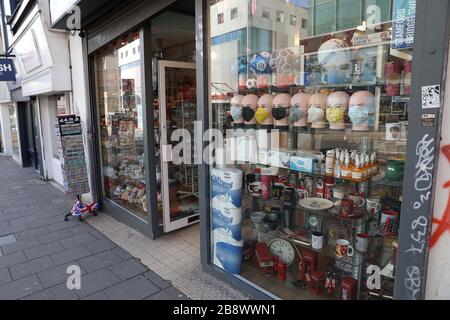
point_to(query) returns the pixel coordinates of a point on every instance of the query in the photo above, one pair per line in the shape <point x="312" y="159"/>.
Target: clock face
<point x="313" y="221"/>
<point x="283" y="249"/>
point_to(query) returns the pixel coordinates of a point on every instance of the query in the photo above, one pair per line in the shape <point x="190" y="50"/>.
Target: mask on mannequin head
<point x="358" y="114"/>
<point x="248" y="113"/>
<point x="335" y="114"/>
<point x="236" y="112"/>
<point x="279" y="113"/>
<point x="315" y="114"/>
<point x="261" y="115"/>
<point x="296" y="114"/>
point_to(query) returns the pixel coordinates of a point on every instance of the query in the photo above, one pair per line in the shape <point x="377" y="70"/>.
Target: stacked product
<point x="226" y="185"/>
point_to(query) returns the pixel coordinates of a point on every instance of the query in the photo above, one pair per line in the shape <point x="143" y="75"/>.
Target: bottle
<point x="358" y="172"/>
<point x="338" y="165"/>
<point x="367" y="167"/>
<point x="375" y="164"/>
<point x="329" y="163"/>
<point x="346" y="169"/>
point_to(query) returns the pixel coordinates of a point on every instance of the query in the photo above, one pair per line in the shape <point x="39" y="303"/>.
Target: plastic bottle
<point x="329" y="163"/>
<point x="346" y="169"/>
<point x="358" y="172"/>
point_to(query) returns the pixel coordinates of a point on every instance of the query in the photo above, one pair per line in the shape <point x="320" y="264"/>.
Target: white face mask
<point x="315" y="114"/>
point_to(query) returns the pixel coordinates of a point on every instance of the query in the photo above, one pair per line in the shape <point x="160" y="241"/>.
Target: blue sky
<point x="299" y="3"/>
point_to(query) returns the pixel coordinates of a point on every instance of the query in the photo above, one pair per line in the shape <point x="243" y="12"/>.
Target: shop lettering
<point x="424" y="167"/>
<point x="374" y="277"/>
<point x="220" y="218"/>
<point x="184" y="310"/>
<point x="221" y="183"/>
<point x="373" y="16"/>
<point x="6" y="68"/>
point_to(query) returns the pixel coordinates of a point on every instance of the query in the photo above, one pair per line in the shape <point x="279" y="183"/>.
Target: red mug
<point x="346" y="209"/>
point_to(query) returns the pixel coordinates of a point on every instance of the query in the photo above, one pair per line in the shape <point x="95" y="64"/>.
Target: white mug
<point x="357" y="200"/>
<point x="317" y="240"/>
<point x="362" y="242"/>
<point x="373" y="206"/>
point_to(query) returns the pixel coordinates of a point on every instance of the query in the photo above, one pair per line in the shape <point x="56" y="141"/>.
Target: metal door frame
<point x="168" y="224"/>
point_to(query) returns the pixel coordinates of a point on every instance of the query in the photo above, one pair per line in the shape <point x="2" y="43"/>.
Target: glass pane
<point x="307" y="186"/>
<point x="14" y="132"/>
<point x="122" y="133"/>
<point x="181" y="114"/>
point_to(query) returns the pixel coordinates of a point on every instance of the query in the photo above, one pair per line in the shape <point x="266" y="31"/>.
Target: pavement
<point x="116" y="262"/>
<point x="37" y="246"/>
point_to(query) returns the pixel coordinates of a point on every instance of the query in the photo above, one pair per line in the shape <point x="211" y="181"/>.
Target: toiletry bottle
<point x="329" y="163"/>
<point x="346" y="169"/>
<point x="358" y="172"/>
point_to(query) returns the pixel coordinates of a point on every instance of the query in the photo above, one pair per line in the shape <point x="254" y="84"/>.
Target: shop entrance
<point x="177" y="116"/>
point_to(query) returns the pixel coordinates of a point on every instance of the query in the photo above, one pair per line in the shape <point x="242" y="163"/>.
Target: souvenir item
<point x="299" y="110"/>
<point x="316" y="204"/>
<point x="357" y="199"/>
<point x="264" y="114"/>
<point x="390" y="221"/>
<point x="283" y="249"/>
<point x="373" y="206"/>
<point x="317" y="283"/>
<point x="236" y="110"/>
<point x="346" y="208"/>
<point x="362" y="110"/>
<point x="257" y="217"/>
<point x="349" y="288"/>
<point x="334" y="54"/>
<point x="266" y="184"/>
<point x="280" y="110"/>
<point x="330" y="282"/>
<point x="285" y="64"/>
<point x="250" y="105"/>
<point x="337" y="106"/>
<point x="316" y="112"/>
<point x="344" y="249"/>
<point x="317" y="240"/>
<point x="260" y="65"/>
<point x="362" y="242"/>
<point x="281" y="271"/>
<point x="393" y="77"/>
<point x="302" y="193"/>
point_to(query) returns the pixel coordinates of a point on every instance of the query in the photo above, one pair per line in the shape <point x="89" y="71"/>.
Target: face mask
<point x="296" y="114"/>
<point x="261" y="115"/>
<point x="315" y="114"/>
<point x="236" y="113"/>
<point x="248" y="113"/>
<point x="335" y="114"/>
<point x="358" y="115"/>
<point x="279" y="113"/>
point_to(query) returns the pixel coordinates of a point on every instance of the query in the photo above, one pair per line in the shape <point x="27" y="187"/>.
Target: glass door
<point x="177" y="116"/>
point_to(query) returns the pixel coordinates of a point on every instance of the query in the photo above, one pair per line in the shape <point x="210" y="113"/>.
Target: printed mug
<point x="317" y="240"/>
<point x="357" y="200"/>
<point x="362" y="242"/>
<point x="373" y="206"/>
<point x="344" y="249"/>
<point x="302" y="193"/>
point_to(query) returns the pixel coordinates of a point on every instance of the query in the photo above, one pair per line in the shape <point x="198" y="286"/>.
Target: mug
<point x="390" y="221"/>
<point x="302" y="193"/>
<point x="357" y="199"/>
<point x="373" y="206"/>
<point x="346" y="208"/>
<point x="344" y="249"/>
<point x="255" y="189"/>
<point x="362" y="242"/>
<point x="317" y="240"/>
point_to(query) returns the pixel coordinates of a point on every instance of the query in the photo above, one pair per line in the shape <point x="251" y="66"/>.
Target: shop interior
<point x="306" y="212"/>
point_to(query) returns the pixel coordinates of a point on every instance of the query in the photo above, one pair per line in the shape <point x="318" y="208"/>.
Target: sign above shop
<point x="403" y="26"/>
<point x="7" y="72"/>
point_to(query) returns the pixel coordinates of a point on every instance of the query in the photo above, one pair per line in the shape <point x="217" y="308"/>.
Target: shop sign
<point x="373" y="38"/>
<point x="7" y="72"/>
<point x="404" y="21"/>
<point x="28" y="52"/>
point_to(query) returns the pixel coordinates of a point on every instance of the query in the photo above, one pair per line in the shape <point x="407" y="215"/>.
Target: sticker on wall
<point x="428" y="120"/>
<point x="431" y="97"/>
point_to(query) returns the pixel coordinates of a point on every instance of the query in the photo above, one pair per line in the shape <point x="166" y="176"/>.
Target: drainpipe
<point x="5" y="35"/>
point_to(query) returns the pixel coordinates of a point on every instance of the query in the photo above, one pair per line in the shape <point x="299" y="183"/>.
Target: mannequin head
<point x="280" y="109"/>
<point x="249" y="105"/>
<point x="316" y="113"/>
<point x="236" y="109"/>
<point x="337" y="106"/>
<point x="362" y="110"/>
<point x="299" y="109"/>
<point x="264" y="113"/>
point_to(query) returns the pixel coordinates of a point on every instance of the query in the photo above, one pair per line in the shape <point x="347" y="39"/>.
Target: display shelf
<point x="386" y="182"/>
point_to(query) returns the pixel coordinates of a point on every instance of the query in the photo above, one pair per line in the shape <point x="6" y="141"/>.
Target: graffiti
<point x="424" y="167"/>
<point x="413" y="281"/>
<point x="419" y="227"/>
<point x="443" y="225"/>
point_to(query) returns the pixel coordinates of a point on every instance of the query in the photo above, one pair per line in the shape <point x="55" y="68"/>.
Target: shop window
<point x="293" y="20"/>
<point x="309" y="189"/>
<point x="220" y="18"/>
<point x="121" y="109"/>
<point x="234" y="13"/>
<point x="280" y="16"/>
<point x="14" y="131"/>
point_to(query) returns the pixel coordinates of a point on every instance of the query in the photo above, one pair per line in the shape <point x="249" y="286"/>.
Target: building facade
<point x="330" y="181"/>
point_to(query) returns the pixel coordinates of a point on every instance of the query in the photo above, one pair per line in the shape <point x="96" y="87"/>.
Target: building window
<point x="220" y="18"/>
<point x="304" y="24"/>
<point x="280" y="16"/>
<point x="266" y="13"/>
<point x="234" y="13"/>
<point x="293" y="20"/>
<point x="14" y="131"/>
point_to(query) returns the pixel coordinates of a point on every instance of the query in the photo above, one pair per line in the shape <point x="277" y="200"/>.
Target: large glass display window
<point x="315" y="126"/>
<point x="120" y="107"/>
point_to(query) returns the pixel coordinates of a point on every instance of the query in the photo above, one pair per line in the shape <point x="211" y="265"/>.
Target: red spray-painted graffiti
<point x="443" y="225"/>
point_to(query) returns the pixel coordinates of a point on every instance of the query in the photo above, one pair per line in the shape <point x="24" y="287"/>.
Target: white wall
<point x="438" y="284"/>
<point x="6" y="129"/>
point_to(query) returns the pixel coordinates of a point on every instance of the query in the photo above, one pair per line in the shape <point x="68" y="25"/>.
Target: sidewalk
<point x="37" y="246"/>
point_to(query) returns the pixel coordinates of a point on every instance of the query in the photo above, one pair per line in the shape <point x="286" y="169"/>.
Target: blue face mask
<point x="296" y="114"/>
<point x="358" y="115"/>
<point x="236" y="113"/>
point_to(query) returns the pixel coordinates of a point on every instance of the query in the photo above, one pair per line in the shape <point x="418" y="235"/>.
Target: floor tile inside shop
<point x="175" y="257"/>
